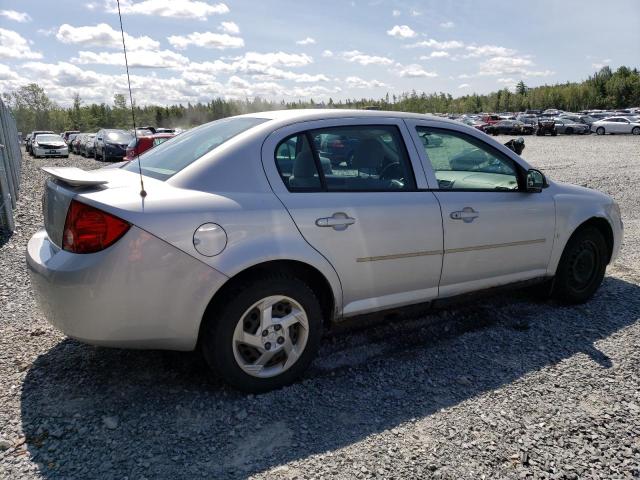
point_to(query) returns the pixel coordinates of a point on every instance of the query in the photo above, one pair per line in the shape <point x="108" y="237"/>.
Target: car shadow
<point x="90" y="412"/>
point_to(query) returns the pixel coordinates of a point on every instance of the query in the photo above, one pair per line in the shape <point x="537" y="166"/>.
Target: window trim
<point x="520" y="171"/>
<point x="316" y="156"/>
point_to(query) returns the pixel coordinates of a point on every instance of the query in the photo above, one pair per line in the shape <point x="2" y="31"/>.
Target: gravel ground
<point x="508" y="387"/>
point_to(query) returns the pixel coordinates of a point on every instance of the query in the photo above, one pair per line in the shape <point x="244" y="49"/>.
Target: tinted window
<point x="172" y="156"/>
<point x="158" y="141"/>
<point x="462" y="162"/>
<point x="359" y="158"/>
<point x="297" y="165"/>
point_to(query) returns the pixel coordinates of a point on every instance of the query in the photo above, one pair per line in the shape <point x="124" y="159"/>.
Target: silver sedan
<point x="251" y="234"/>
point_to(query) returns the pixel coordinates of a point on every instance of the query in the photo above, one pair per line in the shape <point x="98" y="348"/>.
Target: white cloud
<point x="464" y="85"/>
<point x="446" y="45"/>
<point x="447" y="25"/>
<point x="136" y="58"/>
<point x="414" y="71"/>
<point x="102" y="35"/>
<point x="14" y="45"/>
<point x="20" y="17"/>
<point x="357" y="82"/>
<point x="194" y="9"/>
<point x="401" y="31"/>
<point x="396" y="13"/>
<point x="278" y="59"/>
<point x="511" y="66"/>
<point x="229" y="27"/>
<point x="506" y="80"/>
<point x="435" y="54"/>
<point x="488" y="51"/>
<point x="415" y="13"/>
<point x="356" y="56"/>
<point x="306" y="41"/>
<point x="220" y="41"/>
<point x="7" y="73"/>
<point x="327" y="53"/>
<point x="261" y="66"/>
<point x="501" y="65"/>
<point x="603" y="63"/>
<point x="63" y="73"/>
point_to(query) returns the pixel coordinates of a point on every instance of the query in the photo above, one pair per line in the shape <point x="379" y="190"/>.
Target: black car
<point x="111" y="144"/>
<point x="509" y="127"/>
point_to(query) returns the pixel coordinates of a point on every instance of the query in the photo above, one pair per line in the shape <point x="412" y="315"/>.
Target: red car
<point x="142" y="144"/>
<point x="490" y="119"/>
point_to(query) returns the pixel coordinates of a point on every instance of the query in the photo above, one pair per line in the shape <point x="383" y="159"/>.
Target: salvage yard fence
<point x="10" y="166"/>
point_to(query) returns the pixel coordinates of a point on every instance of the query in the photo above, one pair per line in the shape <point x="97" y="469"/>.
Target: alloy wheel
<point x="270" y="336"/>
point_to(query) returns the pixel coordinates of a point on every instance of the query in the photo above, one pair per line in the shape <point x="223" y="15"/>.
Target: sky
<point x="194" y="50"/>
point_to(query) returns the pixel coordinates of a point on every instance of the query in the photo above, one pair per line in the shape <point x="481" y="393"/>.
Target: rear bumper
<point x="139" y="293"/>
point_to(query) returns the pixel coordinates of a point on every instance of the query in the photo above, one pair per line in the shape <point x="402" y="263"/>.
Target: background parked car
<point x="546" y="126"/>
<point x="616" y="125"/>
<point x="509" y="127"/>
<point x="86" y="145"/>
<point x="142" y="144"/>
<point x="568" y="126"/>
<point x="74" y="144"/>
<point x="67" y="134"/>
<point x="31" y="136"/>
<point x="111" y="144"/>
<point x="49" y="145"/>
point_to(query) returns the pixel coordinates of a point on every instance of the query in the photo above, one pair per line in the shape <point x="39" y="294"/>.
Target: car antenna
<point x="143" y="192"/>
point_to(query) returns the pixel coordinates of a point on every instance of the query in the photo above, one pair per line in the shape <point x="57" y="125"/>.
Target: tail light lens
<point x="89" y="230"/>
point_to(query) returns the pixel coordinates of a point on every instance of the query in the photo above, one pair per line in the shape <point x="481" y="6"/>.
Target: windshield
<point x="48" y="138"/>
<point x="119" y="137"/>
<point x="177" y="153"/>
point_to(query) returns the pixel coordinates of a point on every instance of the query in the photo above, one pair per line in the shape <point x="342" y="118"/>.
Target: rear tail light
<point x="89" y="230"/>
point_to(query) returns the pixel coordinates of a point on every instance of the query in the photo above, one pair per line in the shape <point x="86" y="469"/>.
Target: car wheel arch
<point x="315" y="279"/>
<point x="601" y="224"/>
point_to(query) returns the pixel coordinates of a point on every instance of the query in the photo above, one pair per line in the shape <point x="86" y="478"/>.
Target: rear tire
<point x="568" y="131"/>
<point x="600" y="130"/>
<point x="582" y="266"/>
<point x="242" y="314"/>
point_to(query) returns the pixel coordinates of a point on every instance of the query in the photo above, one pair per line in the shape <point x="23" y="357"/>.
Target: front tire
<point x="264" y="334"/>
<point x="582" y="266"/>
<point x="635" y="130"/>
<point x="600" y="130"/>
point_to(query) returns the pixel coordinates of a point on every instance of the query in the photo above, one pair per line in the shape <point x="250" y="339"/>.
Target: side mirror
<point x="535" y="181"/>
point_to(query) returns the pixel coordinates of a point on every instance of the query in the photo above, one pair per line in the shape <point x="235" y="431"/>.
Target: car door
<point x="494" y="232"/>
<point x="369" y="212"/>
<point x="624" y="125"/>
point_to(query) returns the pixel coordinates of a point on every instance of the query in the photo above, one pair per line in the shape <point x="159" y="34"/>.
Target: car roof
<point x="285" y="117"/>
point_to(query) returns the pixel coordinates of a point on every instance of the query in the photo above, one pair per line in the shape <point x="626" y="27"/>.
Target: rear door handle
<point x="338" y="221"/>
<point x="467" y="215"/>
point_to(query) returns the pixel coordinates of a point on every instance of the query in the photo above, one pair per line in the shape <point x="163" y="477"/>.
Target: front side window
<point x="462" y="162"/>
<point x="349" y="159"/>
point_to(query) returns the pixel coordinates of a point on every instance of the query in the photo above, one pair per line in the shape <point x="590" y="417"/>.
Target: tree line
<point x="605" y="89"/>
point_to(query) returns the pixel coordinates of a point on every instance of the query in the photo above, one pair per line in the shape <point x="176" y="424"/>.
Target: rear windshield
<point x="48" y="138"/>
<point x="178" y="152"/>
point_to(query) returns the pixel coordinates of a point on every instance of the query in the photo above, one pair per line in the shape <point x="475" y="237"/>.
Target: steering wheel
<point x="391" y="171"/>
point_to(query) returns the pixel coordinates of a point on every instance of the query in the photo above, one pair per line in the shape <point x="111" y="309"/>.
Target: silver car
<point x="255" y="232"/>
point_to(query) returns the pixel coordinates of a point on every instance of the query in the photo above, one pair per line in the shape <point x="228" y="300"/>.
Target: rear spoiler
<point x="74" y="176"/>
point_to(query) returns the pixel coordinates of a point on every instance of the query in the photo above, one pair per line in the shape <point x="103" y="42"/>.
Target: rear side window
<point x="346" y="159"/>
<point x="170" y="157"/>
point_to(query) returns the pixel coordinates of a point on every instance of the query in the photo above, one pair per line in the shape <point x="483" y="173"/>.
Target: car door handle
<point x="338" y="221"/>
<point x="467" y="215"/>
